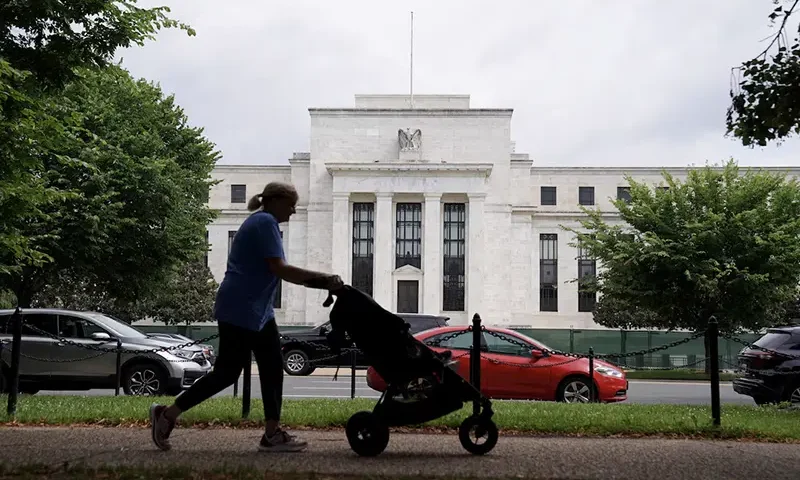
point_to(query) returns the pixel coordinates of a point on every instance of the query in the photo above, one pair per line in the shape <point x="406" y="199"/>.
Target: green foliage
<point x="50" y="39"/>
<point x="187" y="297"/>
<point x="27" y="136"/>
<point x="765" y="103"/>
<point x="42" y="46"/>
<point x="137" y="186"/>
<point x="722" y="243"/>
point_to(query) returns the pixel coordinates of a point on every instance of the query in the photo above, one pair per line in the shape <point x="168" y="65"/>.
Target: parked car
<point x="509" y="371"/>
<point x="47" y="363"/>
<point x="208" y="350"/>
<point x="297" y="352"/>
<point x="757" y="367"/>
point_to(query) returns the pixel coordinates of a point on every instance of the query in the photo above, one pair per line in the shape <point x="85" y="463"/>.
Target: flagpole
<point x="411" y="70"/>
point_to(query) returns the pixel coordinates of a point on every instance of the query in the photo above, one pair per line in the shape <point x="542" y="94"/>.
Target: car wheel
<point x="144" y="379"/>
<point x="793" y="394"/>
<point x="296" y="362"/>
<point x="574" y="390"/>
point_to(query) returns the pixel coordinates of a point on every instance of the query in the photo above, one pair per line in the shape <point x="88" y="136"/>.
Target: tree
<point x="765" y="102"/>
<point x="51" y="39"/>
<point x="41" y="46"/>
<point x="187" y="298"/>
<point x="721" y="243"/>
<point x="137" y="190"/>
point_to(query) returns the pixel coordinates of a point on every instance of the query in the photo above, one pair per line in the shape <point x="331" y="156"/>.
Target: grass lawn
<point x="699" y="375"/>
<point x="738" y="422"/>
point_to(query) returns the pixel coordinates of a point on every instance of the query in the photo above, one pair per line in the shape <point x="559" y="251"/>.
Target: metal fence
<point x="646" y="358"/>
<point x="567" y="340"/>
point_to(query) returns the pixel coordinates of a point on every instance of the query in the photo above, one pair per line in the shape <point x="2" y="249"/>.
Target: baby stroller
<point x="421" y="385"/>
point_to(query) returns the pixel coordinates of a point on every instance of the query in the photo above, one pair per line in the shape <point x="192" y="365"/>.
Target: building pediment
<point x="409" y="168"/>
<point x="408" y="270"/>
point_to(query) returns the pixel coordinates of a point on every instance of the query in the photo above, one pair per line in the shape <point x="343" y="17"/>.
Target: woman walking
<point x="244" y="313"/>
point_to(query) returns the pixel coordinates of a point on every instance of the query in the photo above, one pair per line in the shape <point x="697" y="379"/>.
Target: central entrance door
<point x="407" y="296"/>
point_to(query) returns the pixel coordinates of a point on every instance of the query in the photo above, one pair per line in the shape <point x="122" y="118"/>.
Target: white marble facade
<point x="453" y="174"/>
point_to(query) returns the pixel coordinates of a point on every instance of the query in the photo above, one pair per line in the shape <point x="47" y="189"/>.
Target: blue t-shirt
<point x="246" y="294"/>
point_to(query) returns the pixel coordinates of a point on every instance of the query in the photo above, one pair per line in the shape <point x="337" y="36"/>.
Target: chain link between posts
<point x="443" y="339"/>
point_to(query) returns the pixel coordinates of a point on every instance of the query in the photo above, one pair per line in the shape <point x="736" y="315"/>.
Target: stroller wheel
<point x="367" y="434"/>
<point x="478" y="435"/>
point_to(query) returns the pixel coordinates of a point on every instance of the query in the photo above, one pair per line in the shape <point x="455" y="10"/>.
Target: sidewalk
<point x="408" y="455"/>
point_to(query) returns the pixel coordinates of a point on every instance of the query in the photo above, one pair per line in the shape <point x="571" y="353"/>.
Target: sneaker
<point x="281" y="441"/>
<point x="160" y="427"/>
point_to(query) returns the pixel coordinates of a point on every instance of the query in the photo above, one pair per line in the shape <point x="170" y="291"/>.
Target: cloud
<point x="592" y="83"/>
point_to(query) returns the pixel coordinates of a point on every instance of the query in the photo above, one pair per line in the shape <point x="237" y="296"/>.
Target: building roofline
<point x="655" y="170"/>
<point x="408" y="112"/>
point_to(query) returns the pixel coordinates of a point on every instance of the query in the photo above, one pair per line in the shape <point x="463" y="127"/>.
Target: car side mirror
<point x="535" y="353"/>
<point x="323" y="331"/>
<point x="100" y="336"/>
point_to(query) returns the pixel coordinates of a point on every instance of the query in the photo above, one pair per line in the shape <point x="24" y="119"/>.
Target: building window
<point x="548" y="272"/>
<point x="409" y="235"/>
<point x="548" y="195"/>
<point x="454" y="253"/>
<point x="276" y="302"/>
<point x="587" y="269"/>
<point x="624" y="193"/>
<point x="231" y="234"/>
<point x="363" y="244"/>
<point x="238" y="193"/>
<point x="586" y="195"/>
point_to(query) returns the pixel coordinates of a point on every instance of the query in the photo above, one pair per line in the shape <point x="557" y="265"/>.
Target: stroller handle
<point x="319" y="284"/>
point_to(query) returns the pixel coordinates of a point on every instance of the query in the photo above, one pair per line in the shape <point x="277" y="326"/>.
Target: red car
<point x="509" y="371"/>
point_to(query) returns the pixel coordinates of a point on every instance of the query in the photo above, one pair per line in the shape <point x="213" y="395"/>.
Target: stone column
<point x="432" y="255"/>
<point x="476" y="245"/>
<point x="384" y="250"/>
<point x="341" y="244"/>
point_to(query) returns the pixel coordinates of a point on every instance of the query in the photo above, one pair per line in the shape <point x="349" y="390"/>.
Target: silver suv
<point x="47" y="362"/>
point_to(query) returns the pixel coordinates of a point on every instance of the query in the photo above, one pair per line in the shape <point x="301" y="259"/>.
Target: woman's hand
<point x="333" y="282"/>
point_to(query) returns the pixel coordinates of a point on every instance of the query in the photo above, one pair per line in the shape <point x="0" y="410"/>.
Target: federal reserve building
<point x="424" y="203"/>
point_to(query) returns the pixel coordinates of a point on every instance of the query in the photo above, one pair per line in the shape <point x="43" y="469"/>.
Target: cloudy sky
<point x="611" y="82"/>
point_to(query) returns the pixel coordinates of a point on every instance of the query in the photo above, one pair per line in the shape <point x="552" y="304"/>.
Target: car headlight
<point x="184" y="354"/>
<point x="608" y="371"/>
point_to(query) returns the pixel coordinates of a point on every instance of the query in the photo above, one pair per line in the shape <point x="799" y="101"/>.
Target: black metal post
<point x="119" y="367"/>
<point x="16" y="345"/>
<point x="713" y="332"/>
<point x="248" y="370"/>
<point x="571" y="340"/>
<point x="475" y="360"/>
<point x="591" y="374"/>
<point x="353" y="373"/>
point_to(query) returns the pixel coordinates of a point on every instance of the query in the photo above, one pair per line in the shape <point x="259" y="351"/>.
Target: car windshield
<point x="117" y="326"/>
<point x="772" y="340"/>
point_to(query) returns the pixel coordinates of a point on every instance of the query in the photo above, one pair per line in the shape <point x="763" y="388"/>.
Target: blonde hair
<point x="271" y="191"/>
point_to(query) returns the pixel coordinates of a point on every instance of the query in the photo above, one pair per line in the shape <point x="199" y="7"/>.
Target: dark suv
<point x="297" y="353"/>
<point x="767" y="377"/>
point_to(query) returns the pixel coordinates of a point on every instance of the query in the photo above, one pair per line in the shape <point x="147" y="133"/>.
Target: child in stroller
<point x="421" y="385"/>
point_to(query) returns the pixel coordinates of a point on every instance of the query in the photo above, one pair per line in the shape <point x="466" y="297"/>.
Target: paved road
<point x="409" y="455"/>
<point x="316" y="386"/>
